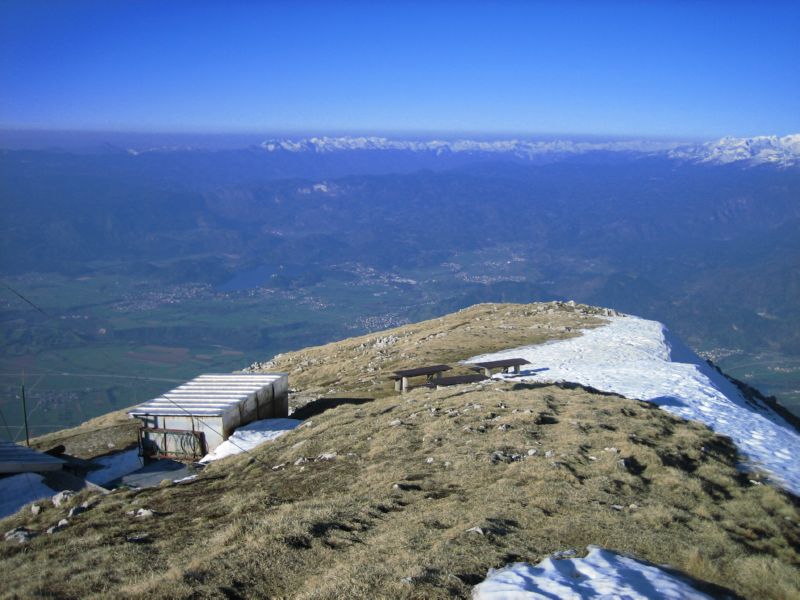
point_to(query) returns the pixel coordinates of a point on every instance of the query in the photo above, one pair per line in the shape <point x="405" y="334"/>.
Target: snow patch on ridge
<point x="251" y="435"/>
<point x="601" y="574"/>
<point x="114" y="466"/>
<point x="641" y="359"/>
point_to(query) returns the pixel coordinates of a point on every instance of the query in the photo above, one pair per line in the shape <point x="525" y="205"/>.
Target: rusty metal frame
<point x="198" y="435"/>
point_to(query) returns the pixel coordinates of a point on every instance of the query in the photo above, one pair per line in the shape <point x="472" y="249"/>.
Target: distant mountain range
<point x="763" y="149"/>
<point x="329" y="156"/>
<point x="783" y="151"/>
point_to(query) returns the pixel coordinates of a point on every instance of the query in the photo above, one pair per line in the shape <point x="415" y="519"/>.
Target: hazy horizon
<point x="42" y="139"/>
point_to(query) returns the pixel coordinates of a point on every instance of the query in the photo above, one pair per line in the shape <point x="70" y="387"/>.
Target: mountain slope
<point x="538" y="467"/>
<point x="641" y="359"/>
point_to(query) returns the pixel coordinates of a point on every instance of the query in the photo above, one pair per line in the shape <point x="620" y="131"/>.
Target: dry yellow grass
<point x="360" y="365"/>
<point x="390" y="515"/>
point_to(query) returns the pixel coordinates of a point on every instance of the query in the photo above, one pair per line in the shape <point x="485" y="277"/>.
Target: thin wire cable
<point x="91" y="375"/>
<point x="5" y="423"/>
<point x="49" y="316"/>
<point x="26" y="300"/>
<point x="39" y="309"/>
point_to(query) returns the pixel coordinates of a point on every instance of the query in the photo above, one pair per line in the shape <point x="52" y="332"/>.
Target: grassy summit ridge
<point x="537" y="468"/>
<point x="359" y="366"/>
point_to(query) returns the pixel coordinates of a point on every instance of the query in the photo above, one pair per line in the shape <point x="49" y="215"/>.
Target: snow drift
<point x="601" y="574"/>
<point x="640" y="359"/>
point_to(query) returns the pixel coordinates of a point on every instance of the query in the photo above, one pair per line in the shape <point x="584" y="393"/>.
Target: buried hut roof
<point x="19" y="459"/>
<point x="208" y="395"/>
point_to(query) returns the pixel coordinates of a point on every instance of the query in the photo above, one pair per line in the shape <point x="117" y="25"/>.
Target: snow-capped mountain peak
<point x="515" y="147"/>
<point x="782" y="151"/>
<point x="764" y="149"/>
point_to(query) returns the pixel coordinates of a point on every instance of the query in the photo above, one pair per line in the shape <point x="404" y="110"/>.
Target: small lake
<point x="247" y="280"/>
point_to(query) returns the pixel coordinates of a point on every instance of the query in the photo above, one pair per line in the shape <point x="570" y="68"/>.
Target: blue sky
<point x="674" y="69"/>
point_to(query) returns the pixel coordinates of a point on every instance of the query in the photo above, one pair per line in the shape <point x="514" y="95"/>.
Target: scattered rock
<point x="62" y="497"/>
<point x="35" y="509"/>
<point x="395" y="423"/>
<point x="279" y="467"/>
<point x="617" y="506"/>
<point x="300" y="461"/>
<point x="504" y="427"/>
<point x="611" y="449"/>
<point x="499" y="456"/>
<point x="138" y="538"/>
<point x="20" y="535"/>
<point x="564" y="554"/>
<point x="532" y="452"/>
<point x="76" y="510"/>
<point x="592" y="457"/>
<point x="429" y="460"/>
<point x="327" y="456"/>
<point x="549" y="454"/>
<point x="407" y="580"/>
<point x="184" y="480"/>
<point x="477" y="530"/>
<point x="57" y="527"/>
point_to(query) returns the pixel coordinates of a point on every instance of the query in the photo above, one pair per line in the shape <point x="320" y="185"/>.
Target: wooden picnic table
<point x="430" y="372"/>
<point x="509" y="365"/>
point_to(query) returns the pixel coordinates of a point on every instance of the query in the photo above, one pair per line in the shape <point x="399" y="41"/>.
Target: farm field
<point x="109" y="339"/>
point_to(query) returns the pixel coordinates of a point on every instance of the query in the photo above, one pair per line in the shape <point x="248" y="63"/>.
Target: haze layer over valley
<point x="153" y="263"/>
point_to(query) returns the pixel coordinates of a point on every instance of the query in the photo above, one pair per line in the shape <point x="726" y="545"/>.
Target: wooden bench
<point x="509" y="365"/>
<point x="455" y="380"/>
<point x="402" y="376"/>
